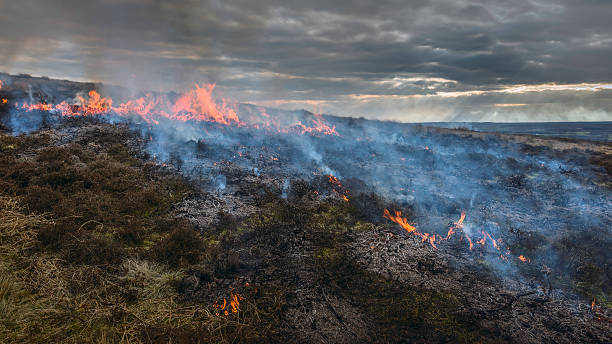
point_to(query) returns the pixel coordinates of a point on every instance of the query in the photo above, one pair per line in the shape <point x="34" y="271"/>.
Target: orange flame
<point x="335" y="182"/>
<point x="397" y="218"/>
<point x="469" y="241"/>
<point x="319" y="126"/>
<point x="492" y="240"/>
<point x="482" y="241"/>
<point x="4" y="100"/>
<point x="432" y="241"/>
<point x="234" y="305"/>
<point x="431" y="238"/>
<point x="456" y="225"/>
<point x="524" y="259"/>
<point x="197" y="104"/>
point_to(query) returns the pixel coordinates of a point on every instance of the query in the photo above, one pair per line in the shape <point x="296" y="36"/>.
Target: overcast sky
<point x="409" y="60"/>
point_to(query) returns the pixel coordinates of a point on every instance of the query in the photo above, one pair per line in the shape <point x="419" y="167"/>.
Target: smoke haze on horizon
<point x="485" y="60"/>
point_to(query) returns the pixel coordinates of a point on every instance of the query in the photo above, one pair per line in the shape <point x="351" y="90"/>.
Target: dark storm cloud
<point x="330" y="53"/>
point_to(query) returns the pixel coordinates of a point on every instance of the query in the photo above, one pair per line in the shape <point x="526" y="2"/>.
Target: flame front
<point x="456" y="226"/>
<point x="197" y="104"/>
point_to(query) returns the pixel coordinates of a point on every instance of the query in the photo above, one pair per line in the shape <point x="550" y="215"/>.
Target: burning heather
<point x="183" y="216"/>
<point x="194" y="106"/>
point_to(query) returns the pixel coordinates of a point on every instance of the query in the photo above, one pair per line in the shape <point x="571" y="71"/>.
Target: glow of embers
<point x="598" y="315"/>
<point x="197" y="105"/>
<point x="3" y="100"/>
<point x="338" y="189"/>
<point x="452" y="230"/>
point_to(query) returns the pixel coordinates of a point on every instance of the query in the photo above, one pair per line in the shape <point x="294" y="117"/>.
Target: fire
<point x="593" y="304"/>
<point x="469" y="241"/>
<point x="225" y="308"/>
<point x="334" y="180"/>
<point x="397" y="218"/>
<point x="4" y="100"/>
<point x="234" y="303"/>
<point x="197" y="104"/>
<point x="319" y="126"/>
<point x="456" y="226"/>
<point x="482" y="241"/>
<point x="492" y="240"/>
<point x="338" y="188"/>
<point x="403" y="222"/>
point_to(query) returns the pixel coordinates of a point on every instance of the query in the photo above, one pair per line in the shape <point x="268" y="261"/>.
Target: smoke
<point x="503" y="187"/>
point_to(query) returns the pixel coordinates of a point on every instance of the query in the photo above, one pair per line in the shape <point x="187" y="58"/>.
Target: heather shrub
<point x="183" y="246"/>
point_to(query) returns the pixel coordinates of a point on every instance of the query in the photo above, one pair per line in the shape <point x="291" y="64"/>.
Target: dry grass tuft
<point x="88" y="253"/>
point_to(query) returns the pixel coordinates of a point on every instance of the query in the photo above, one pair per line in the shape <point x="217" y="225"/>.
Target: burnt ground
<point x="351" y="280"/>
<point x="111" y="236"/>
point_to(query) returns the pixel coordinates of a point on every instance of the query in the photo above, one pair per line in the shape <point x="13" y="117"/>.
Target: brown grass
<point x="89" y="254"/>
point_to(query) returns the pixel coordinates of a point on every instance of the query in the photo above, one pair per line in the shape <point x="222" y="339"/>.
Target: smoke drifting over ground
<point x="320" y="222"/>
<point x="506" y="190"/>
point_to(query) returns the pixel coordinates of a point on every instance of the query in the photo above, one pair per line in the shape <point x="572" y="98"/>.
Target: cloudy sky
<point x="408" y="60"/>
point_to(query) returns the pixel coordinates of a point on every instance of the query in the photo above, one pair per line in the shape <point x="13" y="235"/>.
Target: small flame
<point x="469" y="241"/>
<point x="403" y="222"/>
<point x="593" y="304"/>
<point x="338" y="188"/>
<point x="397" y="218"/>
<point x="432" y="241"/>
<point x="482" y="241"/>
<point x="334" y="180"/>
<point x="524" y="259"/>
<point x="319" y="126"/>
<point x="492" y="240"/>
<point x="234" y="305"/>
<point x="456" y="225"/>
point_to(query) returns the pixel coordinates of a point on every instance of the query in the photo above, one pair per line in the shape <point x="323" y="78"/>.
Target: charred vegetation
<point x="133" y="232"/>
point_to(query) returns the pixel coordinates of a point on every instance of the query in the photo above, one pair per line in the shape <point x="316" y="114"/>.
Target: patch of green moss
<point x="332" y="218"/>
<point x="327" y="256"/>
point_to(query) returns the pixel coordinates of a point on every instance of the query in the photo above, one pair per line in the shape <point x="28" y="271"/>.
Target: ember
<point x="338" y="188"/>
